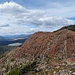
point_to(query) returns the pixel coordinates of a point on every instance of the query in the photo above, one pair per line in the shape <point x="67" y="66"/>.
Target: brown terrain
<point x="59" y="44"/>
<point x="53" y="51"/>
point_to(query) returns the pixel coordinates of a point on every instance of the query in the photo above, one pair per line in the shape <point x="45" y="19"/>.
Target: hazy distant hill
<point x="2" y="38"/>
<point x="5" y="40"/>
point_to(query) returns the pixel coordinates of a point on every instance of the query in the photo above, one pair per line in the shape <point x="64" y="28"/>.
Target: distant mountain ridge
<point x="5" y="40"/>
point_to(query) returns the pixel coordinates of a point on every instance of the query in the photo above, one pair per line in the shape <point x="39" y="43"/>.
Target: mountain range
<point x="43" y="53"/>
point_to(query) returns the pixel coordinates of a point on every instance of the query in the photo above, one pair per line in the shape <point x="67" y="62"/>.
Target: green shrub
<point x="28" y="68"/>
<point x="23" y="70"/>
<point x="70" y="27"/>
<point x="14" y="72"/>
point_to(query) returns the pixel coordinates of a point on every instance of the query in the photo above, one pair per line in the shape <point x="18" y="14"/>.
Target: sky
<point x="29" y="16"/>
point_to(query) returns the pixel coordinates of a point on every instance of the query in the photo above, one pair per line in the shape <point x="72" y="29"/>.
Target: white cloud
<point x="21" y="20"/>
<point x="64" y="8"/>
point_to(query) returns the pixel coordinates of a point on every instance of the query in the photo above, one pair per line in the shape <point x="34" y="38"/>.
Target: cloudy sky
<point x="29" y="16"/>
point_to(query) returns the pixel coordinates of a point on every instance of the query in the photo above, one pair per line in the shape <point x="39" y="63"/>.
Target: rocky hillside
<point x="43" y="53"/>
<point x="60" y="44"/>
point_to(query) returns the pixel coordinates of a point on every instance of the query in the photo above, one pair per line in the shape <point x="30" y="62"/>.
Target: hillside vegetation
<point x="70" y="27"/>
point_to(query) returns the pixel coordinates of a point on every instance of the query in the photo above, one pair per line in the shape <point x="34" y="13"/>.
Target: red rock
<point x="60" y="44"/>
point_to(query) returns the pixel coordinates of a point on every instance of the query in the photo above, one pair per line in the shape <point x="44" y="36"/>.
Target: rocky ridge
<point x="53" y="51"/>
